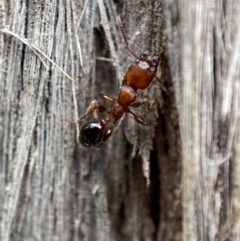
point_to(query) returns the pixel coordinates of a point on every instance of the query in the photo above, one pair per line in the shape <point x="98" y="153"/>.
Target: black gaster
<point x="91" y="134"/>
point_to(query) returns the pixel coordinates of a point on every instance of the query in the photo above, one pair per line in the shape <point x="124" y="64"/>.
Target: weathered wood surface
<point x="51" y="188"/>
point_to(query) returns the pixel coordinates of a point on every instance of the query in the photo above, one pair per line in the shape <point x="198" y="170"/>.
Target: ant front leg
<point x="137" y="104"/>
<point x="138" y="119"/>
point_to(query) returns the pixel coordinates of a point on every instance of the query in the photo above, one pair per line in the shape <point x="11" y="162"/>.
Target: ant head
<point x="91" y="134"/>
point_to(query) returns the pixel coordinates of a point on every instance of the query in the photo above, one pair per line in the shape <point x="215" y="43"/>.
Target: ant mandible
<point x="138" y="76"/>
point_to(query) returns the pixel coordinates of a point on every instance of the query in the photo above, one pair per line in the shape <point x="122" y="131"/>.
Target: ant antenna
<point x="120" y="24"/>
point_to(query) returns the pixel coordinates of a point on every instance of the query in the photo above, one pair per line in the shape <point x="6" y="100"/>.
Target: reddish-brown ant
<point x="138" y="76"/>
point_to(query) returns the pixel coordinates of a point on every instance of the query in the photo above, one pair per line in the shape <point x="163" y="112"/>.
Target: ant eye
<point x="91" y="134"/>
<point x="144" y="55"/>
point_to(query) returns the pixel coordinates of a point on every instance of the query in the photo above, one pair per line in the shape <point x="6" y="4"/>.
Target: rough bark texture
<point x="51" y="188"/>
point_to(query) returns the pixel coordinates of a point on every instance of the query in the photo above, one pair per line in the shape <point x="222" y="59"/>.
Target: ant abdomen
<point x="91" y="134"/>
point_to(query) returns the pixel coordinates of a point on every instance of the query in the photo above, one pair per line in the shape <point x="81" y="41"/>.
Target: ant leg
<point x="137" y="104"/>
<point x="106" y="98"/>
<point x="93" y="106"/>
<point x="138" y="119"/>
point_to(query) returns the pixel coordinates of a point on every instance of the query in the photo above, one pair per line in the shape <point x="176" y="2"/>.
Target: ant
<point x="138" y="76"/>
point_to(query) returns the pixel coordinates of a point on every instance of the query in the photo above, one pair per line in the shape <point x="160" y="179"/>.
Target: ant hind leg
<point x="145" y="103"/>
<point x="138" y="119"/>
<point x="93" y="106"/>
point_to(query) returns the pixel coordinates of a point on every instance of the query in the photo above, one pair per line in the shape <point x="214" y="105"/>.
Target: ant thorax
<point x="127" y="95"/>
